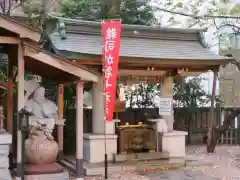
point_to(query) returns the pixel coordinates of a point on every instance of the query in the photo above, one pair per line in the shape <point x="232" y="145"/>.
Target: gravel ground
<point x="225" y="166"/>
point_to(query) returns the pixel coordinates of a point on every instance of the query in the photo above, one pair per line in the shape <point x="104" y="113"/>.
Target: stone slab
<point x="57" y="176"/>
<point x="4" y="149"/>
<point x="124" y="157"/>
<point x="43" y="169"/>
<point x="4" y="161"/>
<point x="5" y="138"/>
<point x="5" y="141"/>
<point x="98" y="169"/>
<point x="140" y="156"/>
<point x="152" y="156"/>
<point x="94" y="150"/>
<point x="174" y="144"/>
<point x="5" y="174"/>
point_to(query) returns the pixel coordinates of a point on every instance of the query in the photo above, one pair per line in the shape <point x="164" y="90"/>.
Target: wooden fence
<point x="196" y="124"/>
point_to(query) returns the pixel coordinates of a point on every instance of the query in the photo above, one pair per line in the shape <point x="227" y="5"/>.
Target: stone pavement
<point x="224" y="164"/>
<point x="185" y="174"/>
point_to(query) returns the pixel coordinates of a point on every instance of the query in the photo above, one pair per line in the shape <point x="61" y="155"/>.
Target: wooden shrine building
<point x="21" y="44"/>
<point x="147" y="54"/>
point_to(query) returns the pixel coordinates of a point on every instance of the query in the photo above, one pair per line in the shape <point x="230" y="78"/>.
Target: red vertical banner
<point x="111" y="38"/>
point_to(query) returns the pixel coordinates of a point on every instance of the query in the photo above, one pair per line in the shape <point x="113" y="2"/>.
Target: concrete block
<point x="152" y="156"/>
<point x="94" y="150"/>
<point x="57" y="176"/>
<point x="124" y="157"/>
<point x="174" y="143"/>
<point x="4" y="162"/>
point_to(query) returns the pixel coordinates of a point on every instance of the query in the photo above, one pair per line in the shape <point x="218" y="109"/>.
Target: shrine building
<point x="147" y="54"/>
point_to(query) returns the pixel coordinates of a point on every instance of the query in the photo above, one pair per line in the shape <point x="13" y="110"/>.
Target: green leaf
<point x="222" y="11"/>
<point x="178" y="5"/>
<point x="235" y="9"/>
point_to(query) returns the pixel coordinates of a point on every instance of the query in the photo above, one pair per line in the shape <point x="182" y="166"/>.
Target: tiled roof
<point x="136" y="41"/>
<point x="136" y="47"/>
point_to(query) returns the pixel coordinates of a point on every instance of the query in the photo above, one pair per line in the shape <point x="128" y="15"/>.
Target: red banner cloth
<point x="111" y="31"/>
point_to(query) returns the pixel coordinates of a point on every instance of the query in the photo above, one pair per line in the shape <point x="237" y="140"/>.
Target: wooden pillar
<point x="79" y="130"/>
<point x="212" y="122"/>
<point x="20" y="105"/>
<point x="60" y="117"/>
<point x="10" y="126"/>
<point x="167" y="92"/>
<point x="10" y="97"/>
<point x="98" y="108"/>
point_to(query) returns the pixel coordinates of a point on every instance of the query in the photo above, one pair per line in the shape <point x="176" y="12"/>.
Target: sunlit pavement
<point x="225" y="165"/>
<point x="185" y="174"/>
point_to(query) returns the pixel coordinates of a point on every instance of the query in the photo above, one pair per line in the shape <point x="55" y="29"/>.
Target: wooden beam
<point x="60" y="117"/>
<point x="9" y="40"/>
<point x="10" y="85"/>
<point x="127" y="72"/>
<point x="60" y="63"/>
<point x="190" y="74"/>
<point x="79" y="130"/>
<point x="20" y="105"/>
<point x="88" y="62"/>
<point x="166" y="63"/>
<point x="174" y="62"/>
<point x="22" y="29"/>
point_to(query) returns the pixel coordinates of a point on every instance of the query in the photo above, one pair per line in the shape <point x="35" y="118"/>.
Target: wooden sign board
<point x="165" y="106"/>
<point x="230" y="86"/>
<point x="120" y="106"/>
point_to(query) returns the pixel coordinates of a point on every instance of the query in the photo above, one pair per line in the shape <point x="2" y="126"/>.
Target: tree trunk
<point x="189" y="127"/>
<point x="212" y="123"/>
<point x="219" y="132"/>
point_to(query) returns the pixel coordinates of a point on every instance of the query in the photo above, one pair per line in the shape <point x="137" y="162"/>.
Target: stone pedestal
<point x="5" y="141"/>
<point x="174" y="143"/>
<point x="161" y="127"/>
<point x="110" y="126"/>
<point x="94" y="146"/>
<point x="45" y="172"/>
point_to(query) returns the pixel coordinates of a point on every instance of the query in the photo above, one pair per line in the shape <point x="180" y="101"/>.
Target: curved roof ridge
<point x="130" y="26"/>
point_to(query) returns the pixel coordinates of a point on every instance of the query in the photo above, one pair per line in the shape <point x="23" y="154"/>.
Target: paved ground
<point x="223" y="165"/>
<point x="185" y="174"/>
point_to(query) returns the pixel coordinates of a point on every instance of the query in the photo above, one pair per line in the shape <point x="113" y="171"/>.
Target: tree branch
<point x="197" y="17"/>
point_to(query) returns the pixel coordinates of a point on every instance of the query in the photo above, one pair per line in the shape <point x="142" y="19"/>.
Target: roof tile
<point x="136" y="47"/>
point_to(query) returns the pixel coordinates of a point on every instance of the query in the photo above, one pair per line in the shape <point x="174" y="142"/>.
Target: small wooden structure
<point x="148" y="54"/>
<point x="21" y="43"/>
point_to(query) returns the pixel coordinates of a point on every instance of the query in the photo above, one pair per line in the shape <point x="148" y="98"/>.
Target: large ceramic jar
<point x="40" y="150"/>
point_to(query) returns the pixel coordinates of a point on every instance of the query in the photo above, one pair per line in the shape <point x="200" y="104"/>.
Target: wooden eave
<point x="54" y="67"/>
<point x="24" y="31"/>
<point x="160" y="64"/>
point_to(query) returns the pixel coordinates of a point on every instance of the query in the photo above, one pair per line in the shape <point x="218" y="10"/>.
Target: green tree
<point x="189" y="95"/>
<point x="142" y="95"/>
<point x="129" y="11"/>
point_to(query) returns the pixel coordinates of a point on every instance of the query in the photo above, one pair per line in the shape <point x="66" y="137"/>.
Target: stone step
<point x="92" y="169"/>
<point x="72" y="162"/>
<point x="68" y="165"/>
<point x="134" y="166"/>
<point x="5" y="174"/>
<point x="54" y="176"/>
<point x="140" y="156"/>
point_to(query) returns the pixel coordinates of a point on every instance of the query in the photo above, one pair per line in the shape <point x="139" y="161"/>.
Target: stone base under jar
<point x="45" y="172"/>
<point x="43" y="169"/>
